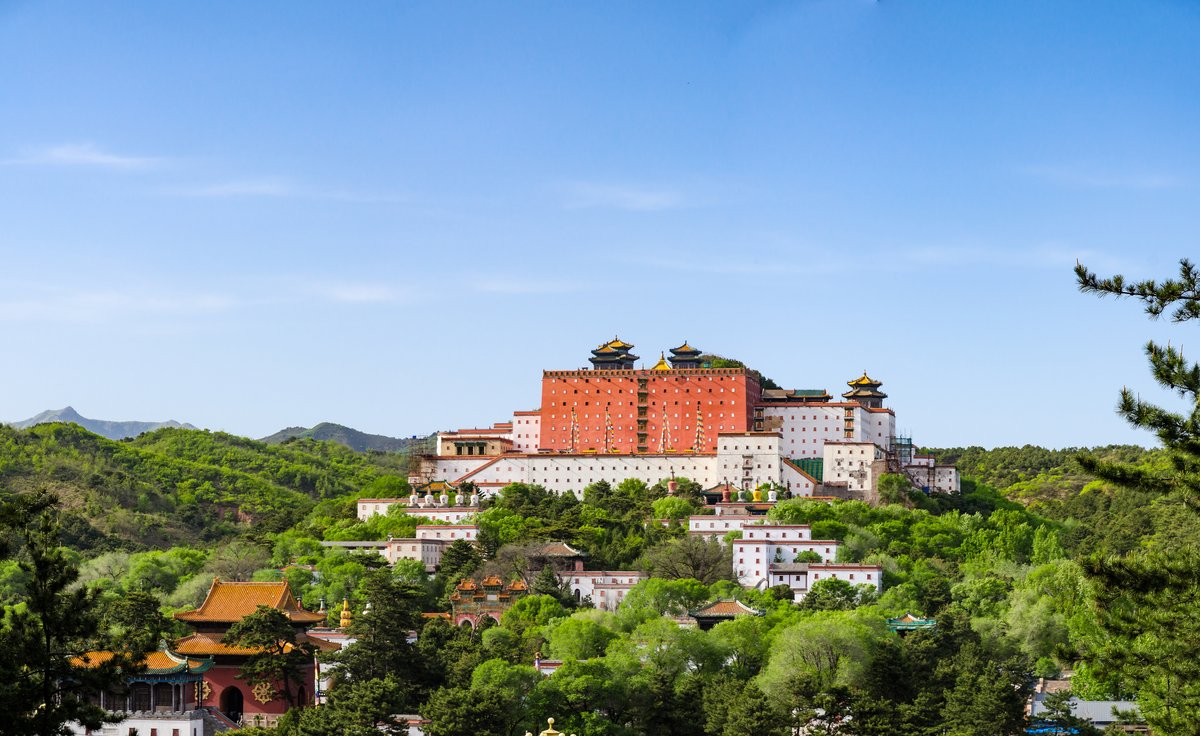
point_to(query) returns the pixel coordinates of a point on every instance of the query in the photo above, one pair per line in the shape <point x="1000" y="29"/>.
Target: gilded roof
<point x="209" y="644"/>
<point x="684" y="348"/>
<point x="156" y="663"/>
<point x="662" y="364"/>
<point x="230" y="602"/>
<point x="864" y="381"/>
<point x="619" y="344"/>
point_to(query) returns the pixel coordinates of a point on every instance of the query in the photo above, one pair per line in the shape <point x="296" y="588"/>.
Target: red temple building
<point x="221" y="688"/>
<point x="676" y="406"/>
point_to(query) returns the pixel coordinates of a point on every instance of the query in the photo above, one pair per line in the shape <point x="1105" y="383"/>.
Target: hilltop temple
<point x="683" y="417"/>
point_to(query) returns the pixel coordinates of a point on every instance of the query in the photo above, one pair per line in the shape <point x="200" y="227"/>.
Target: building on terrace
<point x="773" y="554"/>
<point x="685" y="418"/>
<point x="162" y="698"/>
<point x="221" y="689"/>
<point x="472" y="601"/>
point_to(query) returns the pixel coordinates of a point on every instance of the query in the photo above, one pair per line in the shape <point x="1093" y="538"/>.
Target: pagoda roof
<point x="865" y="380"/>
<point x="230" y="602"/>
<point x="210" y="644"/>
<point x="685" y="349"/>
<point x="559" y="549"/>
<point x="605" y="350"/>
<point x="618" y="344"/>
<point x="864" y="392"/>
<point x="909" y="622"/>
<point x="725" y="608"/>
<point x="662" y="364"/>
<point x="161" y="662"/>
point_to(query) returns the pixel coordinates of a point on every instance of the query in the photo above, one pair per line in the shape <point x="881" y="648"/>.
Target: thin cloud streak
<point x="101" y="306"/>
<point x="82" y="154"/>
<point x="357" y="293"/>
<point x="1083" y="179"/>
<point x="591" y="195"/>
<point x="502" y="285"/>
<point x="282" y="188"/>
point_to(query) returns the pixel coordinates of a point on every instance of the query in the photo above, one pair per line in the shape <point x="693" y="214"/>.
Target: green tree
<point x="381" y="648"/>
<point x="280" y="655"/>
<point x="46" y="674"/>
<point x="1060" y="719"/>
<point x="833" y="594"/>
<point x="547" y="582"/>
<point x="706" y="560"/>
<point x="1147" y="600"/>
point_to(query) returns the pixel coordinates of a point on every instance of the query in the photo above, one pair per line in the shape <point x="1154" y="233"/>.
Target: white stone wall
<point x="752" y="558"/>
<point x="800" y="581"/>
<point x="945" y="479"/>
<point x="449" y="514"/>
<point x="805" y="428"/>
<point x="717" y="526"/>
<point x="190" y="723"/>
<point x="426" y="551"/>
<point x="606" y="588"/>
<point x="449" y="533"/>
<point x="851" y="573"/>
<point x="749" y="459"/>
<point x="849" y="464"/>
<point x="526" y="432"/>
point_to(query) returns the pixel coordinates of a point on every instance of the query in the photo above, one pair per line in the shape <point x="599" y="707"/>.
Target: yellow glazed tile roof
<point x="231" y="602"/>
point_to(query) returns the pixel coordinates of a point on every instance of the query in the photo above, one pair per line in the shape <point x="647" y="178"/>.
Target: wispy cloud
<point x="589" y="195"/>
<point x="283" y="188"/>
<point x="357" y="293"/>
<point x="92" y="307"/>
<point x="518" y="286"/>
<point x="81" y="154"/>
<point x="1082" y="178"/>
<point x="264" y="187"/>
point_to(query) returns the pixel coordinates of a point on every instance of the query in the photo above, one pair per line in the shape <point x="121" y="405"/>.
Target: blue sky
<point x="395" y="215"/>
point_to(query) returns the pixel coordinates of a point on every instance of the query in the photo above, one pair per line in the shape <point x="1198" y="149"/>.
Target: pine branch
<point x="1183" y="292"/>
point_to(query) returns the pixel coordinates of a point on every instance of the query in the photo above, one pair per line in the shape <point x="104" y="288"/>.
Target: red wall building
<point x="668" y="408"/>
<point x="222" y="688"/>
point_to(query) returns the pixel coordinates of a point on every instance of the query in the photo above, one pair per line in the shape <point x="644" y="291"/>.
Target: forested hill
<point x="1003" y="467"/>
<point x="348" y="436"/>
<point x="177" y="486"/>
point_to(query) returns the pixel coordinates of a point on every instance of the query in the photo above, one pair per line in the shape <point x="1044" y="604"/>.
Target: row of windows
<point x="651" y="405"/>
<point x="648" y="391"/>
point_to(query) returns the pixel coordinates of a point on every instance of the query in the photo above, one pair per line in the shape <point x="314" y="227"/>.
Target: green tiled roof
<point x="814" y="466"/>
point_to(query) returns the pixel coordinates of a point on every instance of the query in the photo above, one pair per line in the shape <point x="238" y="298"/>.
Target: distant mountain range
<point x="104" y="428"/>
<point x="352" y="438"/>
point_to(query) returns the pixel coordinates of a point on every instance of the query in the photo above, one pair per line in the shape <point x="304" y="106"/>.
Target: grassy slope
<point x="176" y="486"/>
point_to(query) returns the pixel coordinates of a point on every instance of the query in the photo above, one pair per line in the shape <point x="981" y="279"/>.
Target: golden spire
<point x="346" y="615"/>
<point x="662" y="364"/>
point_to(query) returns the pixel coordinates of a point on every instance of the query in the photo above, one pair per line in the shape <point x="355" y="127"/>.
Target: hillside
<point x="343" y="435"/>
<point x="105" y="428"/>
<point x="175" y="486"/>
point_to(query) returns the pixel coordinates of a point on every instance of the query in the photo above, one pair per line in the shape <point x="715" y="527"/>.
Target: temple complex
<point x="472" y="601"/>
<point x="681" y="417"/>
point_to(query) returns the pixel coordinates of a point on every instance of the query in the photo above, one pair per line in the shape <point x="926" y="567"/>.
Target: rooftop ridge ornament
<point x="549" y="730"/>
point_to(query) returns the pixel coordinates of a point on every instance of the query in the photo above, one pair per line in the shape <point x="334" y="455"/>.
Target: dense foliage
<point x="1003" y="568"/>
